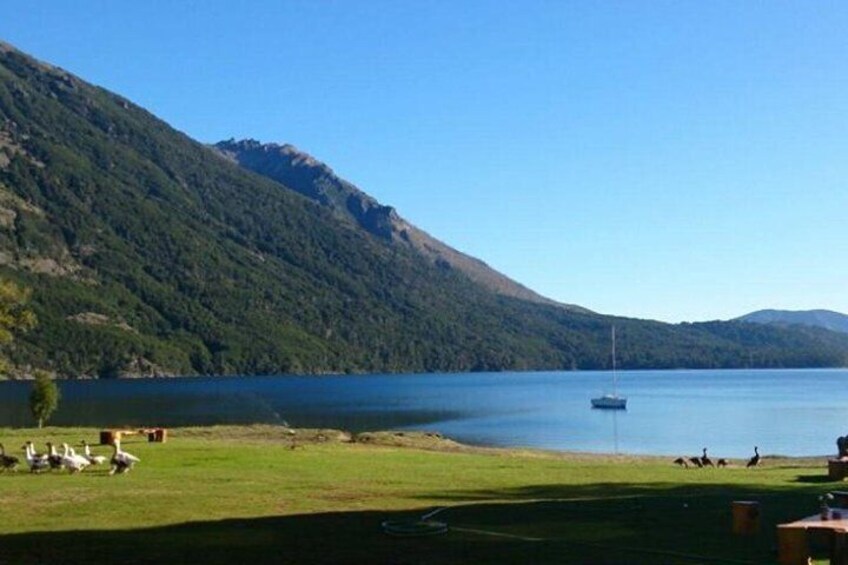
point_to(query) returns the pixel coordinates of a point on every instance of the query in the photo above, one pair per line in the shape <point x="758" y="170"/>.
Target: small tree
<point x="44" y="398"/>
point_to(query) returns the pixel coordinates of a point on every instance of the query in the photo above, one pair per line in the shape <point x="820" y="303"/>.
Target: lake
<point x="789" y="412"/>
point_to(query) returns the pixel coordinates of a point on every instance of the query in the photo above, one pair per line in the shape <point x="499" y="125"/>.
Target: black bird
<point x="755" y="460"/>
<point x="682" y="462"/>
<point x="54" y="458"/>
<point x="706" y="461"/>
<point x="7" y="461"/>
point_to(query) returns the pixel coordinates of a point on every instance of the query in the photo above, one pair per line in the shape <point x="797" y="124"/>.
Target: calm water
<point x="669" y="412"/>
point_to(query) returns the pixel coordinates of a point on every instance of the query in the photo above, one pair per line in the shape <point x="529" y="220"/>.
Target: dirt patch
<point x="417" y="440"/>
<point x="95" y="319"/>
<point x="264" y="432"/>
<point x="49" y="266"/>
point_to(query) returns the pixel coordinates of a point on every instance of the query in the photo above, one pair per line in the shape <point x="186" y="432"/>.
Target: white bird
<point x="93" y="459"/>
<point x="37" y="461"/>
<point x="73" y="462"/>
<point x="121" y="460"/>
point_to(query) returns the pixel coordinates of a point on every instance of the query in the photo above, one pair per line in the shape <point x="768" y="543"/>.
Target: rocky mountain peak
<point x="295" y="156"/>
<point x="310" y="177"/>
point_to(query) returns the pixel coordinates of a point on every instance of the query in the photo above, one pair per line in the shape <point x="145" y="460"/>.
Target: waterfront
<point x="788" y="412"/>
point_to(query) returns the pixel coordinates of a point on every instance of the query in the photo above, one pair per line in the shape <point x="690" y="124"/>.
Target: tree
<point x="44" y="398"/>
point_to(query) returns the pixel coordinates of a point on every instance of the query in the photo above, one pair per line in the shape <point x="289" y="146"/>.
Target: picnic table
<point x="792" y="544"/>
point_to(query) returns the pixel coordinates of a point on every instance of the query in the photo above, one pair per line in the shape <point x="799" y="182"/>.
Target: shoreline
<point x="436" y="441"/>
<point x="26" y="376"/>
<point x="404" y="439"/>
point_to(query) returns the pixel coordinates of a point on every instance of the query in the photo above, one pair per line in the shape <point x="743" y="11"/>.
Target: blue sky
<point x="666" y="160"/>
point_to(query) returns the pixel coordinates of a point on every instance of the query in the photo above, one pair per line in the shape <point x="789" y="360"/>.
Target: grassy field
<point x="219" y="495"/>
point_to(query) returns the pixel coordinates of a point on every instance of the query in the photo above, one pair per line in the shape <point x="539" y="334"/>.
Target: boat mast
<point x="614" y="377"/>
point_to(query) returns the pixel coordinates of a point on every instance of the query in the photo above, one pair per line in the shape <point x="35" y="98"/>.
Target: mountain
<point x="147" y="253"/>
<point x="310" y="177"/>
<point x="826" y="319"/>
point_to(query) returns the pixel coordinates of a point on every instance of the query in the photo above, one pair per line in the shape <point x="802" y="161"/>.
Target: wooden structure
<point x="837" y="469"/>
<point x="792" y="542"/>
<point x="746" y="517"/>
<point x="840" y="498"/>
<point x="158" y="435"/>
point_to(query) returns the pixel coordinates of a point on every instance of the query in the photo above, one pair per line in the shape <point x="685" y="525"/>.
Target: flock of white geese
<point x="68" y="459"/>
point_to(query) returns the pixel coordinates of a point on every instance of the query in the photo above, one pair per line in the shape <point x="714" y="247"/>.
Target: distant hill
<point x="149" y="254"/>
<point x="826" y="319"/>
<point x="312" y="178"/>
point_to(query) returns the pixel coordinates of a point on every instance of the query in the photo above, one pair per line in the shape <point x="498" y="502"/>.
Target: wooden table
<point x="792" y="539"/>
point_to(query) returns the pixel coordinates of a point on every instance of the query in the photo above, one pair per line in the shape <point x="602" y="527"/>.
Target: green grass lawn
<point x="223" y="495"/>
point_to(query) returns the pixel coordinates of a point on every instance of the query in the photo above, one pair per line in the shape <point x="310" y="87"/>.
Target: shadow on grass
<point x="345" y="537"/>
<point x="597" y="523"/>
<point x="644" y="523"/>
<point x="815" y="479"/>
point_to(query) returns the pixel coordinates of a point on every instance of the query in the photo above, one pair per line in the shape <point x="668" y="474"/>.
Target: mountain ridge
<point x="314" y="179"/>
<point x="827" y="319"/>
<point x="148" y="254"/>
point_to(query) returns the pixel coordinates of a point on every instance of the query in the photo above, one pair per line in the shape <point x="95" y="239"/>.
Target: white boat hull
<point x="610" y="402"/>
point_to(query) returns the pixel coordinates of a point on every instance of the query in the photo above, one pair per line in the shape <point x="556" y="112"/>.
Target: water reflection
<point x="669" y="412"/>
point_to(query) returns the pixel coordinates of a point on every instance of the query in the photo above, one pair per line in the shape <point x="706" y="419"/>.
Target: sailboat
<point x="611" y="401"/>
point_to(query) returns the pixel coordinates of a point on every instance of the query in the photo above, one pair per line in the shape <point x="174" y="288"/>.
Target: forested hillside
<point x="147" y="253"/>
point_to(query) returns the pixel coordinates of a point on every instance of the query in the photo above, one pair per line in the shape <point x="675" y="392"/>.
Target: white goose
<point x="7" y="461"/>
<point x="71" y="461"/>
<point x="93" y="459"/>
<point x="121" y="460"/>
<point x="37" y="461"/>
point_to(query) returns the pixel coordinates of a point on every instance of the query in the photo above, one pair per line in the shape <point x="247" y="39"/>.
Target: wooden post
<point x="792" y="545"/>
<point x="158" y="435"/>
<point x="746" y="517"/>
<point x="108" y="437"/>
<point x="839" y="548"/>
